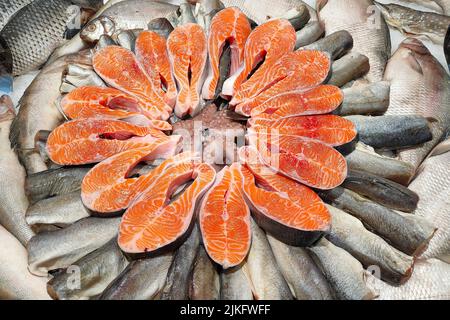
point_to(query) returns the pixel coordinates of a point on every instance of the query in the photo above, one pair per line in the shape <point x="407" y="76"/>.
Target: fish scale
<point x="10" y="7"/>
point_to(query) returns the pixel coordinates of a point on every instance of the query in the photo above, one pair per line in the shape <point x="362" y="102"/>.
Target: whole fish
<point x="301" y="273"/>
<point x="267" y="281"/>
<point x="16" y="281"/>
<point x="38" y="29"/>
<point x="406" y="232"/>
<point x="350" y="67"/>
<point x="368" y="99"/>
<point x="344" y="273"/>
<point x="13" y="201"/>
<point x="336" y="44"/>
<point x="9" y="8"/>
<point x="177" y="283"/>
<point x="386" y="192"/>
<point x="59" y="249"/>
<point x="368" y="29"/>
<point x="89" y="276"/>
<point x="348" y="233"/>
<point x="235" y="285"/>
<point x="205" y="280"/>
<point x="392" y="132"/>
<point x="37" y="110"/>
<point x="421" y="86"/>
<point x="412" y="22"/>
<point x="141" y="280"/>
<point x="312" y="31"/>
<point x="60" y="211"/>
<point x="161" y="26"/>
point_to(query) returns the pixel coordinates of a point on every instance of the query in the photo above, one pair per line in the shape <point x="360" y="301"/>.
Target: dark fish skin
<point x="9" y="8"/>
<point x="298" y="16"/>
<point x="365" y="99"/>
<point x="126" y="39"/>
<point x="392" y="132"/>
<point x="383" y="191"/>
<point x="336" y="44"/>
<point x="54" y="182"/>
<point x="406" y="232"/>
<point x="96" y="271"/>
<point x="161" y="26"/>
<point x="350" y="67"/>
<point x="447" y="47"/>
<point x="224" y="68"/>
<point x="177" y="283"/>
<point x="348" y="233"/>
<point x="204" y="283"/>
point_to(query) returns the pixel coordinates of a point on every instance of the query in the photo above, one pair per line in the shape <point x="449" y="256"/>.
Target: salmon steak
<point x="224" y="219"/>
<point x="119" y="68"/>
<point x="157" y="220"/>
<point x="188" y="53"/>
<point x="107" y="103"/>
<point x="299" y="70"/>
<point x="228" y="26"/>
<point x="107" y="187"/>
<point x="320" y="100"/>
<point x="85" y="141"/>
<point x="265" y="45"/>
<point x="151" y="52"/>
<point x="329" y="129"/>
<point x="288" y="210"/>
<point x="307" y="161"/>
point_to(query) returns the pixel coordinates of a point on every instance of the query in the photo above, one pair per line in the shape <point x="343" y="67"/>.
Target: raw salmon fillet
<point x="329" y="129"/>
<point x="107" y="103"/>
<point x="120" y="69"/>
<point x="151" y="52"/>
<point x="267" y="43"/>
<point x="320" y="100"/>
<point x="232" y="26"/>
<point x="307" y="161"/>
<point x="188" y="51"/>
<point x="225" y="219"/>
<point x="85" y="141"/>
<point x="299" y="70"/>
<point x="107" y="187"/>
<point x="153" y="222"/>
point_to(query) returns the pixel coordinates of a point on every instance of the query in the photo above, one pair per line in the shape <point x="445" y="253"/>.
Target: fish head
<point x="96" y="28"/>
<point x="7" y="111"/>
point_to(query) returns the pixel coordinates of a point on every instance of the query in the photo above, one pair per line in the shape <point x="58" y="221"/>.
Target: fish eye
<point x="91" y="27"/>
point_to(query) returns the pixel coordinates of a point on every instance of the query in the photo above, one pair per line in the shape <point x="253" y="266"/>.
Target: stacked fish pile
<point x="136" y="206"/>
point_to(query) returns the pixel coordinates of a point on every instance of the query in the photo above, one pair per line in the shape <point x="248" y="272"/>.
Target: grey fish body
<point x="267" y="281"/>
<point x="126" y="39"/>
<point x="369" y="30"/>
<point x="392" y="132"/>
<point x="141" y="280"/>
<point x="350" y="67"/>
<point x="13" y="201"/>
<point x="420" y="86"/>
<point x="16" y="281"/>
<point x="408" y="233"/>
<point x="89" y="276"/>
<point x="8" y="8"/>
<point x="234" y="285"/>
<point x="412" y="22"/>
<point x="298" y="16"/>
<point x="440" y="6"/>
<point x="161" y="26"/>
<point x="367" y="99"/>
<point x="348" y="233"/>
<point x="76" y="76"/>
<point x="177" y="283"/>
<point x="312" y="31"/>
<point x="336" y="44"/>
<point x="345" y="274"/>
<point x="60" y="211"/>
<point x="206" y="10"/>
<point x="300" y="271"/>
<point x="205" y="280"/>
<point x="59" y="249"/>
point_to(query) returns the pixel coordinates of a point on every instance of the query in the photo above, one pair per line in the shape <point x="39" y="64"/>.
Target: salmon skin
<point x="225" y="219"/>
<point x="119" y="68"/>
<point x="329" y="129"/>
<point x="320" y="100"/>
<point x="107" y="188"/>
<point x="155" y="220"/>
<point x="230" y="26"/>
<point x="85" y="141"/>
<point x="299" y="70"/>
<point x="151" y="52"/>
<point x="188" y="52"/>
<point x="107" y="103"/>
<point x="265" y="44"/>
<point x="284" y="208"/>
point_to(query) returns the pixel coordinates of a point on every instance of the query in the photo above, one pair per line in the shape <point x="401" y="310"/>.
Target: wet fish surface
<point x="205" y="280"/>
<point x="9" y="8"/>
<point x="370" y="99"/>
<point x="336" y="44"/>
<point x="235" y="285"/>
<point x="350" y="67"/>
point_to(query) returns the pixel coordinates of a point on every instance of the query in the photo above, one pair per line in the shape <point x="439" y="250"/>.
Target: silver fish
<point x="59" y="249"/>
<point x="185" y="14"/>
<point x="13" y="201"/>
<point x="301" y="273"/>
<point x="369" y="30"/>
<point x="421" y="86"/>
<point x="8" y="8"/>
<point x="126" y="39"/>
<point x="235" y="285"/>
<point x="89" y="276"/>
<point x="76" y="76"/>
<point x="350" y="67"/>
<point x="336" y="44"/>
<point x="205" y="10"/>
<point x="161" y="26"/>
<point x="313" y="30"/>
<point x="298" y="16"/>
<point x="205" y="280"/>
<point x="344" y="273"/>
<point x="16" y="281"/>
<point x="440" y="6"/>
